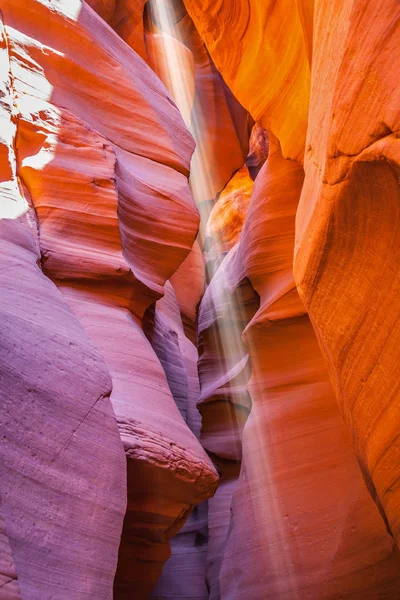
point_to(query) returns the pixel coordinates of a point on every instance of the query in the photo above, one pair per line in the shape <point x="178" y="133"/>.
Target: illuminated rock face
<point x="347" y="252"/>
<point x="305" y="486"/>
<point x="227" y="217"/>
<point x="104" y="300"/>
<point x="346" y="274"/>
<point x="218" y="121"/>
<point x="62" y="463"/>
<point x="95" y="157"/>
<point x="275" y="90"/>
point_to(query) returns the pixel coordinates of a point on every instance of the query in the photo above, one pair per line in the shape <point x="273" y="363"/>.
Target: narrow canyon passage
<point x="298" y="460"/>
<point x="199" y="208"/>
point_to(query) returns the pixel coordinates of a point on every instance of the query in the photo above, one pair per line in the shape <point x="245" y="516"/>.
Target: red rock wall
<point x="102" y="283"/>
<point x="346" y="259"/>
<point x="345" y="163"/>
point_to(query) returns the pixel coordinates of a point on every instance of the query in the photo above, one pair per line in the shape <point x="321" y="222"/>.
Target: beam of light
<point x="269" y="520"/>
<point x="174" y="70"/>
<point x="179" y="79"/>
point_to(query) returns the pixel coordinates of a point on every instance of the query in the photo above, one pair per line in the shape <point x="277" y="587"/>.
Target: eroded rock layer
<point x="347" y="252"/>
<point x="97" y="142"/>
<point x="106" y="293"/>
<point x="298" y="464"/>
<point x="62" y="464"/>
<point x="346" y="228"/>
<point x="275" y="38"/>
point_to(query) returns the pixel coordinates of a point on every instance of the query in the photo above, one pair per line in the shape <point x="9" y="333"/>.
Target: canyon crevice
<point x="199" y="276"/>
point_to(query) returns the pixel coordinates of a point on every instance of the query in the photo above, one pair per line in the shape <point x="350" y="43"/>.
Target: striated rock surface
<point x="348" y="168"/>
<point x="258" y="150"/>
<point x="183" y="576"/>
<point x="62" y="465"/>
<point x="106" y="291"/>
<point x="224" y="370"/>
<point x="300" y="497"/>
<point x="188" y="283"/>
<point x="126" y="18"/>
<point x="98" y="143"/>
<point x="227" y="217"/>
<point x="218" y="122"/>
<point x="347" y="253"/>
<point x="275" y="90"/>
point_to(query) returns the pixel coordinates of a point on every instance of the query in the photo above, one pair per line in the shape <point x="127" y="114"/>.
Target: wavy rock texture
<point x="176" y="52"/>
<point x="226" y="308"/>
<point x="98" y="143"/>
<point x="346" y="163"/>
<point x="126" y="18"/>
<point x="275" y="90"/>
<point x="104" y="298"/>
<point x="347" y="230"/>
<point x="183" y="576"/>
<point x="298" y="465"/>
<point x="258" y="150"/>
<point x="218" y="122"/>
<point x="62" y="464"/>
<point x="228" y="214"/>
<point x="188" y="283"/>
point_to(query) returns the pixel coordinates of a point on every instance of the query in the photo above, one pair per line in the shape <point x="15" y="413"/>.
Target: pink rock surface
<point x="227" y="217"/>
<point x="224" y="371"/>
<point x="183" y="575"/>
<point x="188" y="283"/>
<point x="62" y="464"/>
<point x="99" y="142"/>
<point x="104" y="297"/>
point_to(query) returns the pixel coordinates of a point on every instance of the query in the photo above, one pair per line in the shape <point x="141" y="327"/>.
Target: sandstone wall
<point x="95" y="162"/>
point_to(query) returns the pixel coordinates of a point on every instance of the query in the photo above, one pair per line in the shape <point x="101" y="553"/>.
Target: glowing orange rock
<point x="104" y="8"/>
<point x="218" y="122"/>
<point x="173" y="62"/>
<point x="347" y="252"/>
<point x="226" y="219"/>
<point x="275" y="89"/>
<point x="128" y="23"/>
<point x="258" y="150"/>
<point x="307" y="494"/>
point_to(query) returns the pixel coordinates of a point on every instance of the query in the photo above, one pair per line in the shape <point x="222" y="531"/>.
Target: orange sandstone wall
<point x="101" y="286"/>
<point x="262" y="50"/>
<point x="347" y="250"/>
<point x="339" y="62"/>
<point x="296" y="527"/>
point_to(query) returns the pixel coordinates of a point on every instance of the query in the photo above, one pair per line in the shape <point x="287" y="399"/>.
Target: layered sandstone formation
<point x="217" y="121"/>
<point x="93" y="141"/>
<point x="297" y="458"/>
<point x="128" y="344"/>
<point x="62" y="493"/>
<point x="347" y="236"/>
<point x="287" y="365"/>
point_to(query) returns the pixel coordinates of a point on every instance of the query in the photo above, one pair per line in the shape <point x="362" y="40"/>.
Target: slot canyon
<point x="200" y="299"/>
